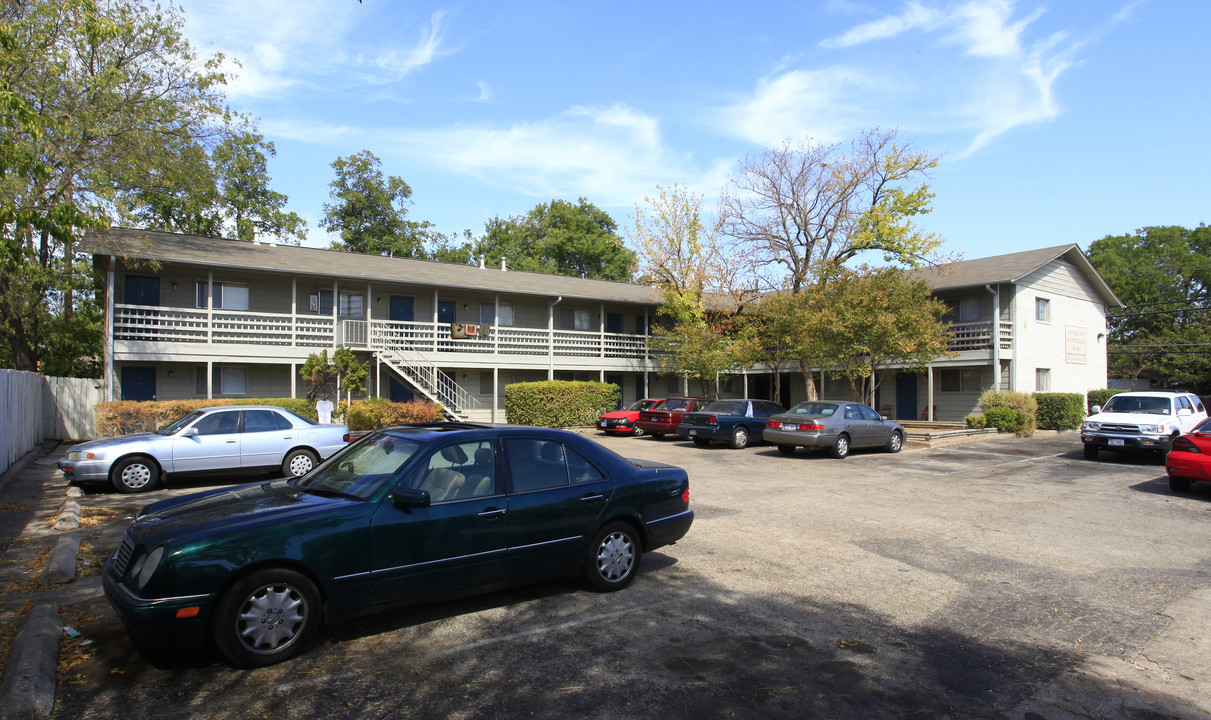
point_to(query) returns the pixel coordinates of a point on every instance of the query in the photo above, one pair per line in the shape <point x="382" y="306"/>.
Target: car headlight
<point x="1091" y="426"/>
<point x="1155" y="429"/>
<point x="145" y="566"/>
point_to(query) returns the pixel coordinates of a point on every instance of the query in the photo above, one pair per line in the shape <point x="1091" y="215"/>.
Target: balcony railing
<point x="166" y="324"/>
<point x="978" y="336"/>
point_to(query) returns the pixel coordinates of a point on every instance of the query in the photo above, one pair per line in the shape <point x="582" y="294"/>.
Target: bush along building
<point x="196" y="317"/>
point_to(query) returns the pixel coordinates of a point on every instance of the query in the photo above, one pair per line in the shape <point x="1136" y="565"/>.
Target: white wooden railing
<point x="978" y="336"/>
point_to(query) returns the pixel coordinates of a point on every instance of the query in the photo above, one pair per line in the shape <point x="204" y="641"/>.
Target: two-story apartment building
<point x="193" y="317"/>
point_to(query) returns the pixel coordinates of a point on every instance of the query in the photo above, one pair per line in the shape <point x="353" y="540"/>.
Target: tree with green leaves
<point x="559" y="238"/>
<point x="772" y="333"/>
<point x="369" y="210"/>
<point x="343" y="371"/>
<point x="806" y="210"/>
<point x="867" y="320"/>
<point x="225" y="193"/>
<point x="1163" y="275"/>
<point x="98" y="96"/>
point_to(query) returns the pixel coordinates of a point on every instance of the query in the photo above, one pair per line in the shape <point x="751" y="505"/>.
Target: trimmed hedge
<point x="559" y="403"/>
<point x="1060" y="411"/>
<point x="1100" y="396"/>
<point x="122" y="417"/>
<point x="1013" y="412"/>
<point x="374" y="413"/>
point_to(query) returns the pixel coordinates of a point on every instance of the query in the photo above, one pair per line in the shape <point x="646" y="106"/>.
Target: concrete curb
<point x="27" y="689"/>
<point x="61" y="567"/>
<point x="69" y="515"/>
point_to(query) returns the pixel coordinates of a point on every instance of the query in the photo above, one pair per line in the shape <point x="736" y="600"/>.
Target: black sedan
<point x="406" y="514"/>
<point x="835" y="426"/>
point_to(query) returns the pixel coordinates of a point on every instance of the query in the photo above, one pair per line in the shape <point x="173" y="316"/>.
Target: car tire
<point x="636" y="432"/>
<point x="298" y="463"/>
<point x="787" y="449"/>
<point x="657" y="436"/>
<point x="840" y="448"/>
<point x="740" y="438"/>
<point x="613" y="558"/>
<point x="266" y="617"/>
<point x="1091" y="451"/>
<point x="1179" y="484"/>
<point x="895" y="443"/>
<point x="701" y="442"/>
<point x="138" y="473"/>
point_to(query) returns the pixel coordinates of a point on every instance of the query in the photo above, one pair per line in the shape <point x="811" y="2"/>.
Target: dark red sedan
<point x="664" y="421"/>
<point x="1189" y="458"/>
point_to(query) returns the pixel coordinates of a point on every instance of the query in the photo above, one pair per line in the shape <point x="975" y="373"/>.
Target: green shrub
<point x="1060" y="411"/>
<point x="1023" y="404"/>
<point x="374" y="413"/>
<point x="1005" y="419"/>
<point x="558" y="403"/>
<point x="975" y="422"/>
<point x="1099" y="396"/>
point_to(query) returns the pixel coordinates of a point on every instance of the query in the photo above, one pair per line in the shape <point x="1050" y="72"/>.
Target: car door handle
<point x="492" y="513"/>
<point x="592" y="498"/>
<point x="231" y="442"/>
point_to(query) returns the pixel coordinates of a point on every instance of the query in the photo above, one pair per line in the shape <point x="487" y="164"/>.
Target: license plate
<point x="1115" y="443"/>
<point x="601" y="424"/>
<point x="693" y="433"/>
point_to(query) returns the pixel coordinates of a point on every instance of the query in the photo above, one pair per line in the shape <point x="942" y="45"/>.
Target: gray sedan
<point x="228" y="439"/>
<point x="837" y="426"/>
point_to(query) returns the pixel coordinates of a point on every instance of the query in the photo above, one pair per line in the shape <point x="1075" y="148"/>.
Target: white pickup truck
<point x="1141" y="422"/>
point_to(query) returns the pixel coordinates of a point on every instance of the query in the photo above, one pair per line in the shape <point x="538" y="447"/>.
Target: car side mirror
<point x="1095" y="409"/>
<point x="190" y="432"/>
<point x="406" y="498"/>
<point x="883" y="418"/>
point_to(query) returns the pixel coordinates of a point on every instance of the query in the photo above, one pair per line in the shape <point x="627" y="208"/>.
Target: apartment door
<point x="906" y="396"/>
<point x="617" y="380"/>
<point x="138" y="383"/>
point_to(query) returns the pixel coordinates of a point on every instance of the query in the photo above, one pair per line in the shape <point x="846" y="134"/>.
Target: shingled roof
<point x="294" y="260"/>
<point x="1011" y="268"/>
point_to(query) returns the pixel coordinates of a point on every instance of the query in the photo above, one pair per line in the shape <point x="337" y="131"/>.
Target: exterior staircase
<point x="416" y="369"/>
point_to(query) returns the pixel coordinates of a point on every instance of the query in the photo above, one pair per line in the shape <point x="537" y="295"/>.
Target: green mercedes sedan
<point x="407" y="514"/>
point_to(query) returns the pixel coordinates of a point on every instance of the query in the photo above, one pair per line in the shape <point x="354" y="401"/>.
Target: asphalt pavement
<point x="1001" y="578"/>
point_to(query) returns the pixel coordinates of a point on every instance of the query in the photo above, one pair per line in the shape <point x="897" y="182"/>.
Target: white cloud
<point x="283" y="43"/>
<point x="914" y="16"/>
<point x="612" y="154"/>
<point x="816" y="103"/>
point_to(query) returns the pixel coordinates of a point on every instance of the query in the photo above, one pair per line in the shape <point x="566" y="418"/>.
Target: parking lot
<point x="1003" y="577"/>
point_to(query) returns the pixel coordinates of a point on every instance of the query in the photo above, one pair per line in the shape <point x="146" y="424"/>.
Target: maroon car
<point x="658" y="423"/>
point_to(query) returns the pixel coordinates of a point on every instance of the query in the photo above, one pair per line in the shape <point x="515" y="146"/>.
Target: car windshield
<point x="728" y="407"/>
<point x="1137" y="404"/>
<point x="814" y="409"/>
<point x="676" y="404"/>
<point x="175" y="428"/>
<point x="641" y="405"/>
<point x="362" y="470"/>
<point x="1204" y="426"/>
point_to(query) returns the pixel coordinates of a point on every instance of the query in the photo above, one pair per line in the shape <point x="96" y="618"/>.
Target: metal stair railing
<point x="395" y="350"/>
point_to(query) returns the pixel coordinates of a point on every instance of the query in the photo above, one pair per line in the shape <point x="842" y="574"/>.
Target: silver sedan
<point x="228" y="439"/>
<point x="836" y="426"/>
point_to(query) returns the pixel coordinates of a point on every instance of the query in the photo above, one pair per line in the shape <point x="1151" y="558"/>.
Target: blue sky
<point x="1059" y="122"/>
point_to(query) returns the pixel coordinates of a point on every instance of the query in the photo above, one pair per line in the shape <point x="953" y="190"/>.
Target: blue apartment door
<point x="138" y="383"/>
<point x="445" y="311"/>
<point x="617" y="380"/>
<point x="400" y="308"/>
<point x="398" y="391"/>
<point x="141" y="290"/>
<point x="906" y="396"/>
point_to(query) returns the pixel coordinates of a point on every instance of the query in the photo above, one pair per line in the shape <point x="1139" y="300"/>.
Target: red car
<point x="659" y="422"/>
<point x="622" y="422"/>
<point x="1189" y="458"/>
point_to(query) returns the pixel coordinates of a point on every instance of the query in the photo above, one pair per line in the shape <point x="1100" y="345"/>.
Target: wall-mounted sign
<point x="1076" y="345"/>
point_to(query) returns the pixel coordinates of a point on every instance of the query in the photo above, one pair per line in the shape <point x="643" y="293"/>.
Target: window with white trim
<point x="233" y="381"/>
<point x="1042" y="379"/>
<point x="1042" y="309"/>
<point x="959" y="380"/>
<point x="227" y="295"/>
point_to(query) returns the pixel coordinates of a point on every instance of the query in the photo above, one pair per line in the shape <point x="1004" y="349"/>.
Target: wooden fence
<point x="37" y="408"/>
